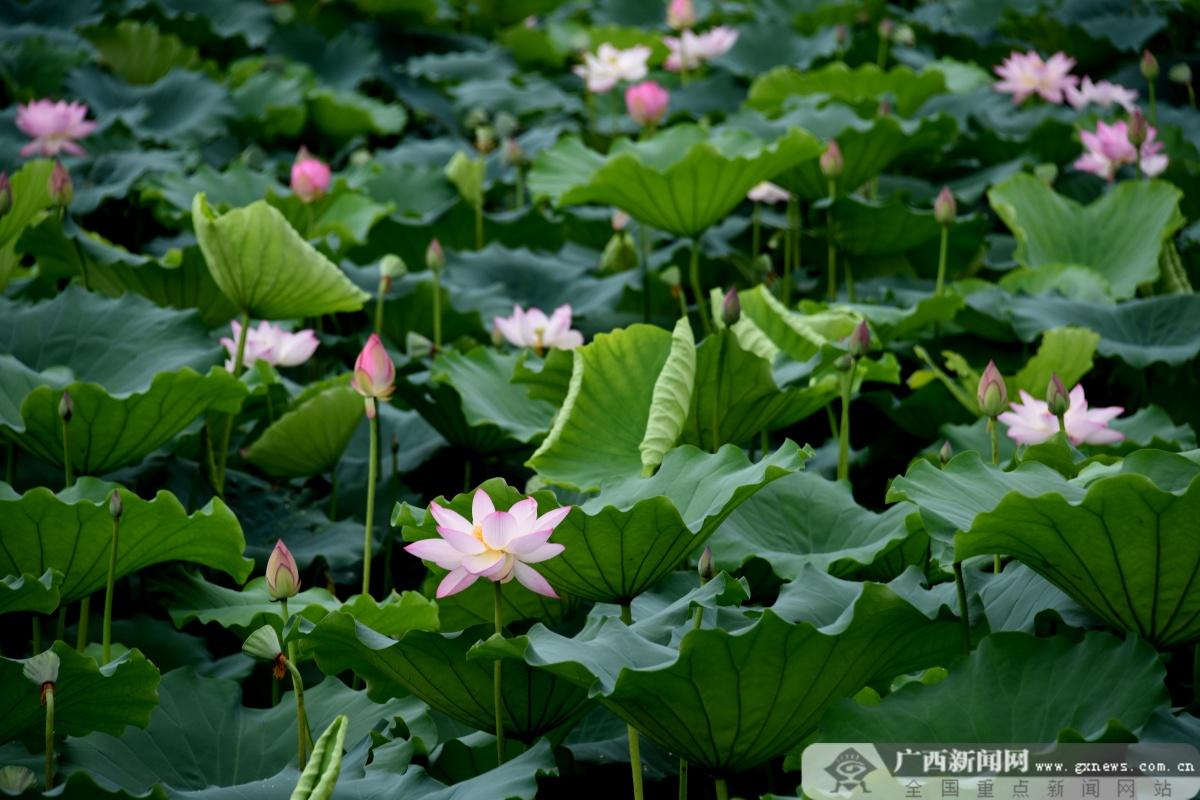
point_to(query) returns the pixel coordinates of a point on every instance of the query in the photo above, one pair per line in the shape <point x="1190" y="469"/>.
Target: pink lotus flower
<point x="647" y="103"/>
<point x="769" y="193"/>
<point x="1026" y="74"/>
<point x="1030" y="421"/>
<point x="310" y="177"/>
<point x="690" y="50"/>
<point x="681" y="14"/>
<point x="1101" y="93"/>
<point x="533" y="329"/>
<point x="609" y="66"/>
<point x="1109" y="147"/>
<point x="54" y="127"/>
<point x="272" y="344"/>
<point x="497" y="545"/>
<point x="283" y="577"/>
<point x="374" y="374"/>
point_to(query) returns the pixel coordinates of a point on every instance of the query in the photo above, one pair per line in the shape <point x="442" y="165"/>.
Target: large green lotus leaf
<point x="868" y="228"/>
<point x="733" y="697"/>
<point x="88" y="697"/>
<point x="908" y="89"/>
<point x="1126" y="551"/>
<point x="800" y="335"/>
<point x="309" y="439"/>
<point x="71" y="532"/>
<point x="182" y="107"/>
<point x="30" y="196"/>
<point x="1119" y="236"/>
<point x="266" y="268"/>
<point x="805" y="519"/>
<point x="139" y="52"/>
<point x="433" y="666"/>
<point x="201" y="735"/>
<point x="598" y="432"/>
<point x="119" y="343"/>
<point x="107" y="431"/>
<point x="905" y="322"/>
<point x="1080" y="691"/>
<point x="29" y="593"/>
<point x="1015" y="599"/>
<point x="483" y="379"/>
<point x="343" y="114"/>
<point x="1140" y="332"/>
<point x="442" y="407"/>
<point x="81" y="786"/>
<point x="192" y="598"/>
<point x="682" y="181"/>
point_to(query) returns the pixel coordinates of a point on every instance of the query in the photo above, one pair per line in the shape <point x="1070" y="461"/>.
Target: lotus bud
<point x="705" y="565"/>
<point x="946" y="452"/>
<point x="886" y="27"/>
<point x="374" y="374"/>
<point x="283" y="577"/>
<point x="14" y="779"/>
<point x="731" y="308"/>
<point x="391" y="267"/>
<point x="620" y="220"/>
<point x="944" y="207"/>
<point x="42" y="669"/>
<point x="1058" y="399"/>
<point x="6" y="197"/>
<point x="647" y="103"/>
<point x="66" y="407"/>
<point x="992" y="394"/>
<point x="860" y="340"/>
<point x="435" y="257"/>
<point x="1149" y="65"/>
<point x="115" y="505"/>
<point x="505" y="125"/>
<point x="62" y="189"/>
<point x="310" y="177"/>
<point x="416" y="345"/>
<point x="1138" y="129"/>
<point x="681" y="14"/>
<point x="831" y="160"/>
<point x="1180" y="73"/>
<point x="844" y="363"/>
<point x="263" y="644"/>
<point x="485" y="139"/>
<point x="620" y="253"/>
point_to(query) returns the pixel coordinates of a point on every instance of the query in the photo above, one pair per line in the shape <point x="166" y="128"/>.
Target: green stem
<point x="961" y="584"/>
<point x="1153" y="104"/>
<point x="881" y="54"/>
<point x="683" y="778"/>
<point x="790" y="254"/>
<point x="635" y="747"/>
<point x="372" y="470"/>
<point x="437" y="310"/>
<point x="106" y="640"/>
<point x="941" y="276"/>
<point x="697" y="289"/>
<point x="379" y="308"/>
<point x="755" y="233"/>
<point x="722" y="789"/>
<point x="644" y="241"/>
<point x="68" y="474"/>
<point x="497" y="694"/>
<point x="843" y="468"/>
<point x="831" y="292"/>
<point x="48" y="695"/>
<point x="303" y="737"/>
<point x="994" y="433"/>
<point x="81" y="631"/>
<point x="787" y="256"/>
<point x="479" y="226"/>
<point x="716" y="405"/>
<point x="798" y="235"/>
<point x="227" y="432"/>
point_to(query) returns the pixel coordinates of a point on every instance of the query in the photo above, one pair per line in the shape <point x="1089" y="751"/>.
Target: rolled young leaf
<point x="320" y="775"/>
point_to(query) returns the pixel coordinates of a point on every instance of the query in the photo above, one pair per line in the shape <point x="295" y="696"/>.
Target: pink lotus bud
<point x="731" y="308"/>
<point x="860" y="340"/>
<point x="681" y="14"/>
<point x="992" y="394"/>
<point x="946" y="452"/>
<point x="6" y="198"/>
<point x="944" y="207"/>
<point x="62" y="189"/>
<point x="705" y="565"/>
<point x="1149" y="65"/>
<point x="283" y="577"/>
<point x="374" y="373"/>
<point x="886" y="26"/>
<point x="66" y="407"/>
<point x="115" y="506"/>
<point x="647" y="103"/>
<point x="1138" y="130"/>
<point x="620" y="220"/>
<point x="435" y="256"/>
<point x="1058" y="400"/>
<point x="310" y="177"/>
<point x="831" y="160"/>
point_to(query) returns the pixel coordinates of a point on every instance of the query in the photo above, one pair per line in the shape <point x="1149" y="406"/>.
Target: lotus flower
<point x="769" y="193"/>
<point x="283" y="577"/>
<point x="610" y="65"/>
<point x="533" y="329"/>
<point x="681" y="14"/>
<point x="689" y="50"/>
<point x="272" y="344"/>
<point x="310" y="177"/>
<point x="1101" y="93"/>
<point x="54" y="127"/>
<point x="497" y="545"/>
<point x="1030" y="421"/>
<point x="374" y="374"/>
<point x="1109" y="147"/>
<point x="647" y="103"/>
<point x="1027" y="74"/>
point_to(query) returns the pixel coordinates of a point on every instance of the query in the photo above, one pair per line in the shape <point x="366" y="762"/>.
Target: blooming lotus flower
<point x="310" y="177"/>
<point x="1101" y="93"/>
<point x="1030" y="421"/>
<point x="1109" y="146"/>
<point x="54" y="127"/>
<point x="647" y="103"/>
<point x="681" y="14"/>
<point x="689" y="50"/>
<point x="272" y="344"/>
<point x="374" y="374"/>
<point x="1027" y="74"/>
<point x="533" y="329"/>
<point x="497" y="545"/>
<point x="610" y="65"/>
<point x="283" y="577"/>
<point x="769" y="193"/>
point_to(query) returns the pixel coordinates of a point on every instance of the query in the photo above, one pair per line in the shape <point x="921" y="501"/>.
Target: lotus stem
<point x="881" y="55"/>
<point x="68" y="473"/>
<point x="755" y="233"/>
<point x="644" y="241"/>
<point x="238" y="363"/>
<point x="961" y="584"/>
<point x="683" y="778"/>
<point x="716" y="406"/>
<point x="106" y="635"/>
<point x="994" y="433"/>
<point x="790" y="254"/>
<point x="831" y="292"/>
<point x="497" y="694"/>
<point x="941" y="276"/>
<point x="378" y="310"/>
<point x="1153" y="103"/>
<point x="843" y="467"/>
<point x="437" y="310"/>
<point x="635" y="746"/>
<point x="697" y="288"/>
<point x="722" y="789"/>
<point x="796" y="253"/>
<point x="303" y="735"/>
<point x="48" y="699"/>
<point x="81" y="632"/>
<point x="372" y="476"/>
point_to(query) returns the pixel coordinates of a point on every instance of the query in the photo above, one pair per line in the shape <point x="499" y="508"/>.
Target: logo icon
<point x="850" y="770"/>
